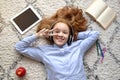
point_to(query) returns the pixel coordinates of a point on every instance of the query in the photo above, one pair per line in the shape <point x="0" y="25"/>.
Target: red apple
<point x="21" y="71"/>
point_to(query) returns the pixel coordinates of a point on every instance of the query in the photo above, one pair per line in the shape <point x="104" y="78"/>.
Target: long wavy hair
<point x="72" y="14"/>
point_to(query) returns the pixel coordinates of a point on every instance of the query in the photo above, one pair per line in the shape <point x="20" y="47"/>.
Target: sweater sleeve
<point x="88" y="38"/>
<point x="24" y="47"/>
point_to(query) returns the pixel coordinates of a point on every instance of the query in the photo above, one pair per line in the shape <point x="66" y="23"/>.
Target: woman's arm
<point x="88" y="39"/>
<point x="85" y="34"/>
<point x="24" y="47"/>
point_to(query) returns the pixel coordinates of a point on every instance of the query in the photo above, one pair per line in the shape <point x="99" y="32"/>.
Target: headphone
<point x="71" y="36"/>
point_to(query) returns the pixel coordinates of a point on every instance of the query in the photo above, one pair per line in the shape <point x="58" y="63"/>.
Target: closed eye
<point x="56" y="31"/>
<point x="65" y="32"/>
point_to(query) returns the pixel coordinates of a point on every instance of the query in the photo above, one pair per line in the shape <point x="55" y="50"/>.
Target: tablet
<point x="26" y="19"/>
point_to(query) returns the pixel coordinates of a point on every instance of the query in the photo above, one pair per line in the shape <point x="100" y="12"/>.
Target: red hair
<point x="73" y="15"/>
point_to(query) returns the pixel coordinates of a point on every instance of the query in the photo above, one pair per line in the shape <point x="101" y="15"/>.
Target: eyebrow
<point x="59" y="30"/>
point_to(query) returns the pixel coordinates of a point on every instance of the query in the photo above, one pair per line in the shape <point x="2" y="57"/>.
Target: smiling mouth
<point x="60" y="39"/>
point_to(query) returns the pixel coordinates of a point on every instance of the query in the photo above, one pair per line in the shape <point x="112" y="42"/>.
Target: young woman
<point x="63" y="58"/>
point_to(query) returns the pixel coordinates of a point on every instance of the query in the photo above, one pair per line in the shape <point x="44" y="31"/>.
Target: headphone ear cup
<point x="50" y="38"/>
<point x="70" y="40"/>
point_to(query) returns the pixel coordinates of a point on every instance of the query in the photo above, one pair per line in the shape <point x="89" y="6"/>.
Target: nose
<point x="60" y="34"/>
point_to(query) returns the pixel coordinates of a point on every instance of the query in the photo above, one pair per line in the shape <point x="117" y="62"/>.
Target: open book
<point x="101" y="12"/>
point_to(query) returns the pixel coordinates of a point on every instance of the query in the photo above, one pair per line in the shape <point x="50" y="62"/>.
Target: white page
<point x="96" y="8"/>
<point x="106" y="17"/>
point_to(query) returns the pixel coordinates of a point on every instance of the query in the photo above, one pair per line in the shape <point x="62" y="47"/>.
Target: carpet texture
<point x="10" y="60"/>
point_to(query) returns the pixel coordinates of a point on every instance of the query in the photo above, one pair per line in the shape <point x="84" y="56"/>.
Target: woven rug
<point x="10" y="60"/>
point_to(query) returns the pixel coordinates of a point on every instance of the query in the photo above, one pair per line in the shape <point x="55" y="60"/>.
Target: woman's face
<point x="61" y="31"/>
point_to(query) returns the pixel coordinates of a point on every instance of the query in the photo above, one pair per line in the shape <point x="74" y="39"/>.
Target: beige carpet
<point x="10" y="59"/>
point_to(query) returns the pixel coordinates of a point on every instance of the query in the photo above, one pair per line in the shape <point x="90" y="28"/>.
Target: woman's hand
<point x="45" y="33"/>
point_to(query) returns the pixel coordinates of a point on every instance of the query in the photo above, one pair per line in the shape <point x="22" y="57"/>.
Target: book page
<point x="106" y="17"/>
<point x="96" y="8"/>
